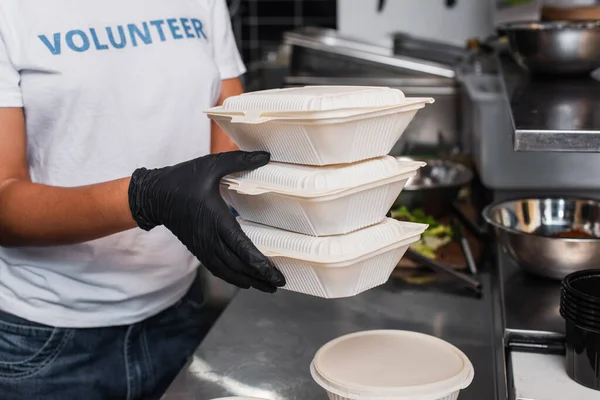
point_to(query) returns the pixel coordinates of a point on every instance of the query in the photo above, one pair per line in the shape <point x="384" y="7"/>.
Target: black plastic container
<point x="583" y="355"/>
<point x="572" y="299"/>
<point x="580" y="307"/>
<point x="579" y="319"/>
<point x="584" y="285"/>
<point x="566" y="308"/>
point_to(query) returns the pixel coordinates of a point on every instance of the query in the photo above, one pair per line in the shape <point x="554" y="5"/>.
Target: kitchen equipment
<point x="318" y="125"/>
<point x="525" y="228"/>
<point x="391" y="364"/>
<point x="435" y="187"/>
<point x="463" y="279"/>
<point x="331" y="50"/>
<point x="502" y="169"/>
<point x="319" y="201"/>
<point x="580" y="291"/>
<point x="555" y="47"/>
<point x="335" y="266"/>
<point x="411" y="46"/>
<point x="464" y="244"/>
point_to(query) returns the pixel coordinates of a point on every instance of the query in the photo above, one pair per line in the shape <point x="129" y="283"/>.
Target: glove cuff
<point x="137" y="201"/>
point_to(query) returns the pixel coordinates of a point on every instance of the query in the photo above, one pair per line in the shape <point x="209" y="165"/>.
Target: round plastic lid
<point x="392" y="363"/>
<point x="239" y="398"/>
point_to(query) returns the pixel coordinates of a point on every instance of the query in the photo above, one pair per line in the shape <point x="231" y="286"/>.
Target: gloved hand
<point x="185" y="198"/>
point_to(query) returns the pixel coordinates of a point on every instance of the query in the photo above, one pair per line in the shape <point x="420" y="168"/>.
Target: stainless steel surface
<point x="435" y="187"/>
<point x="443" y="53"/>
<point x="502" y="168"/>
<point x="439" y="117"/>
<point x="331" y="42"/>
<point x="525" y="227"/>
<point x="411" y="86"/>
<point x="555" y="115"/>
<point x="571" y="47"/>
<point x="263" y="345"/>
<point x="525" y="318"/>
<point x="530" y="304"/>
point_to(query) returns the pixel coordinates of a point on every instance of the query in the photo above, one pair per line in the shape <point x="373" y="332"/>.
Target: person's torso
<point x="108" y="86"/>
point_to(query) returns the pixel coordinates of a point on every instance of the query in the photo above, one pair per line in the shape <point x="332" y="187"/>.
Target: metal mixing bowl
<point x="525" y="227"/>
<point x="435" y="187"/>
<point x="558" y="48"/>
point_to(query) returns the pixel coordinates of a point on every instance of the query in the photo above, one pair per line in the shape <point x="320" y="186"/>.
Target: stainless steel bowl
<point x="435" y="187"/>
<point x="525" y="228"/>
<point x="558" y="48"/>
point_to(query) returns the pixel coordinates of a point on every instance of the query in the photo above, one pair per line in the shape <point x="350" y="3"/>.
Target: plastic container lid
<point x="239" y="398"/>
<point x="310" y="181"/>
<point x="392" y="364"/>
<point x="314" y="98"/>
<point x="330" y="249"/>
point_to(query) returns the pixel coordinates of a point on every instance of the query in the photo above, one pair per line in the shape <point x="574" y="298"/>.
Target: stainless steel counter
<point x="552" y="114"/>
<point x="262" y="345"/>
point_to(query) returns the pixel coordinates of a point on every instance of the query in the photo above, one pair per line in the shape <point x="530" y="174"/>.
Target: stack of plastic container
<point x="317" y="210"/>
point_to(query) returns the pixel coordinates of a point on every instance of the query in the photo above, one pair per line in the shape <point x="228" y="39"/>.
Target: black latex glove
<point x="185" y="198"/>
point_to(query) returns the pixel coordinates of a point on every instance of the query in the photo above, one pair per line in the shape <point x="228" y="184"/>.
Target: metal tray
<point x="329" y="42"/>
<point x="410" y="46"/>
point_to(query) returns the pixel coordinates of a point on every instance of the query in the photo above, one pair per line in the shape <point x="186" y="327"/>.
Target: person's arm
<point x="35" y="214"/>
<point x="230" y="66"/>
<point x="220" y="141"/>
<point x="184" y="198"/>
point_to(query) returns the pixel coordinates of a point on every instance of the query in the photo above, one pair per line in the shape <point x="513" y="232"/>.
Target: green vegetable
<point x="434" y="237"/>
<point x="440" y="231"/>
<point x="423" y="249"/>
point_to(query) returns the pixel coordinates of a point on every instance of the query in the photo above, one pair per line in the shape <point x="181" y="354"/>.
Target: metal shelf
<point x="552" y="114"/>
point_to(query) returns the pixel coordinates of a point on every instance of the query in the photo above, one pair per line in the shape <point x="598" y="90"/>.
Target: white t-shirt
<point x="108" y="86"/>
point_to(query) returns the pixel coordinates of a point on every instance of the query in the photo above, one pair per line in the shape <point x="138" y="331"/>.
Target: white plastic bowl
<point x="319" y="125"/>
<point x="319" y="201"/>
<point x="335" y="266"/>
<point x="391" y="365"/>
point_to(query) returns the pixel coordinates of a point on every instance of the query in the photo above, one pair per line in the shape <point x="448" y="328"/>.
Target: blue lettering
<point x="96" y="41"/>
<point x="119" y="36"/>
<point x="135" y="31"/>
<point x="174" y="28"/>
<point x="198" y="27"/>
<point x="187" y="28"/>
<point x="85" y="42"/>
<point x="158" y="25"/>
<point x="53" y="47"/>
<point x="111" y="38"/>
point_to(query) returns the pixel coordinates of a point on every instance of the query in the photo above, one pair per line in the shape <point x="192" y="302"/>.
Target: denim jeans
<point x="138" y="361"/>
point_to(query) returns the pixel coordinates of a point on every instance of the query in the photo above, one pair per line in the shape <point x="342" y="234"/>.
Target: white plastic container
<point x="319" y="201"/>
<point x="335" y="266"/>
<point x="318" y="125"/>
<point x="391" y="365"/>
<point x="239" y="398"/>
<point x="314" y="99"/>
